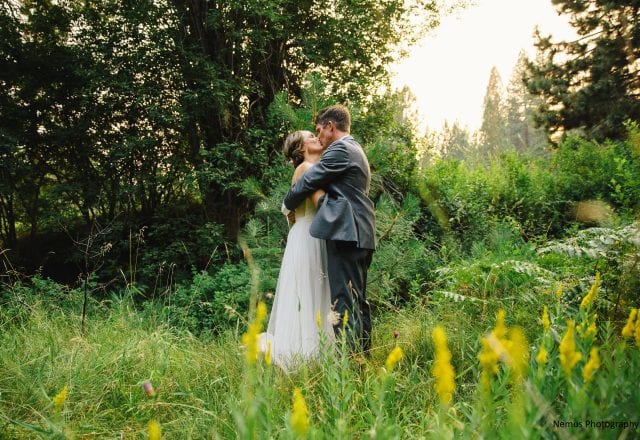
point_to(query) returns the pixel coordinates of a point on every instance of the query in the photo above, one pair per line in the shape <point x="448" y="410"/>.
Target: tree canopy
<point x="593" y="82"/>
<point x="110" y="107"/>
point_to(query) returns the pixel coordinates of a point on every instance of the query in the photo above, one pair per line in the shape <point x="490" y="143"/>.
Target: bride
<point x="302" y="291"/>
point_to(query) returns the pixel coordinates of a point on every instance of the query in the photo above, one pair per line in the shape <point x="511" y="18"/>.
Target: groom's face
<point x="325" y="134"/>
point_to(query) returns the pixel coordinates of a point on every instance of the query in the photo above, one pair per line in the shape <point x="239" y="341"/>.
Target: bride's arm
<point x="315" y="197"/>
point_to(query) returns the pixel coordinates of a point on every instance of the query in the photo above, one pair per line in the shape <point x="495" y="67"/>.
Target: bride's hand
<point x="291" y="218"/>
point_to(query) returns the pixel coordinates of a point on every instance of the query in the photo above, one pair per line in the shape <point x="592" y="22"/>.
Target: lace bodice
<point x="305" y="209"/>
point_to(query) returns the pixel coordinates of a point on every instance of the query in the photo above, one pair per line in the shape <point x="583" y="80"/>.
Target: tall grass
<point x="209" y="389"/>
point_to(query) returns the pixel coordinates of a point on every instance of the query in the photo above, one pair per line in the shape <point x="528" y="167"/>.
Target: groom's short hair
<point x="338" y="114"/>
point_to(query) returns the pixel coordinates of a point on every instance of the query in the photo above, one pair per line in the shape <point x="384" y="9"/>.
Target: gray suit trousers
<point x="347" y="269"/>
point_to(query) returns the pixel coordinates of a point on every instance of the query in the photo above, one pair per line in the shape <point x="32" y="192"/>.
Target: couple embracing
<point x="329" y="246"/>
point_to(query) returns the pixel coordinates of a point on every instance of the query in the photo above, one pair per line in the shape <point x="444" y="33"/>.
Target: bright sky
<point x="449" y="70"/>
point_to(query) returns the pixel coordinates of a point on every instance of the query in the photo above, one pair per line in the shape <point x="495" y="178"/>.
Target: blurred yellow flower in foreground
<point x="629" y="328"/>
<point x="568" y="355"/>
<point x="394" y="357"/>
<point x="543" y="356"/>
<point x="261" y="312"/>
<point x="60" y="398"/>
<point x="442" y="369"/>
<point x="250" y="338"/>
<point x="588" y="331"/>
<point x="300" y="413"/>
<point x="506" y="344"/>
<point x="153" y="429"/>
<point x="267" y="354"/>
<point x="592" y="365"/>
<point x="517" y="352"/>
<point x="500" y="330"/>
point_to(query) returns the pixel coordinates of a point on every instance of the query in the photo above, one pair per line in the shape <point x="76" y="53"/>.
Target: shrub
<point x="211" y="302"/>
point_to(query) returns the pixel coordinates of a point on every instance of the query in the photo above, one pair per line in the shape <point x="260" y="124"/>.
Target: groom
<point x="345" y="219"/>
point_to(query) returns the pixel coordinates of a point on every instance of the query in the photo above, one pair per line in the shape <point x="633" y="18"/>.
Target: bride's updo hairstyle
<point x="293" y="148"/>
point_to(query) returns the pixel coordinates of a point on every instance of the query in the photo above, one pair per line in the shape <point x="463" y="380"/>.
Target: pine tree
<point x="456" y="143"/>
<point x="522" y="133"/>
<point x="493" y="131"/>
<point x="592" y="83"/>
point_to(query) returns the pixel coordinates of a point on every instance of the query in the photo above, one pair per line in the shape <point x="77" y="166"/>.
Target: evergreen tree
<point x="452" y="141"/>
<point x="523" y="135"/>
<point x="592" y="83"/>
<point x="456" y="142"/>
<point x="493" y="131"/>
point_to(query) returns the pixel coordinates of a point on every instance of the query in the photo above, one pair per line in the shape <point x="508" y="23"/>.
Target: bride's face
<point x="311" y="145"/>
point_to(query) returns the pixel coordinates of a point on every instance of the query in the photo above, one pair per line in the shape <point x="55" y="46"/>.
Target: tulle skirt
<point x="302" y="300"/>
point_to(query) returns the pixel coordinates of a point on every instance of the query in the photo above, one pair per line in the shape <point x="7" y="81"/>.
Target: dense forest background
<point x="141" y="143"/>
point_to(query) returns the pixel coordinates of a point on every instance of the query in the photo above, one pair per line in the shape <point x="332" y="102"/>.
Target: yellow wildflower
<point x="488" y="361"/>
<point x="592" y="365"/>
<point x="300" y="413"/>
<point x="588" y="331"/>
<point x="261" y="312"/>
<point x="394" y="357"/>
<point x="442" y="369"/>
<point x="493" y="347"/>
<point x="543" y="356"/>
<point x="345" y="319"/>
<point x="500" y="330"/>
<point x="517" y="351"/>
<point x="153" y="428"/>
<point x="545" y="319"/>
<point x="559" y="292"/>
<point x="60" y="398"/>
<point x="319" y="320"/>
<point x="568" y="355"/>
<point x="638" y="333"/>
<point x="267" y="354"/>
<point x="631" y="325"/>
<point x="250" y="338"/>
<point x="591" y="330"/>
<point x="587" y="300"/>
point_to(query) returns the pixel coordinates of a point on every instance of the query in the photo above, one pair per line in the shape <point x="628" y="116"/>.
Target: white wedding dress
<point x="301" y="292"/>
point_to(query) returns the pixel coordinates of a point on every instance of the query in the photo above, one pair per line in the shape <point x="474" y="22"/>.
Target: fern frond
<point x="457" y="297"/>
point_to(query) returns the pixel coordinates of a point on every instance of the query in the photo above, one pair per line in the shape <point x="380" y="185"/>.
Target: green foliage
<point x="210" y="303"/>
<point x="401" y="262"/>
<point x="387" y="132"/>
<point x="588" y="170"/>
<point x="523" y="189"/>
<point x="583" y="182"/>
<point x="463" y="198"/>
<point x="614" y="250"/>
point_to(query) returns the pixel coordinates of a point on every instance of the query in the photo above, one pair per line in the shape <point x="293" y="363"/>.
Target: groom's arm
<point x="334" y="163"/>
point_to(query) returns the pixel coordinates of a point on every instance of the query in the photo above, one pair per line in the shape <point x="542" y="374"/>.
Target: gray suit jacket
<point x="345" y="213"/>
